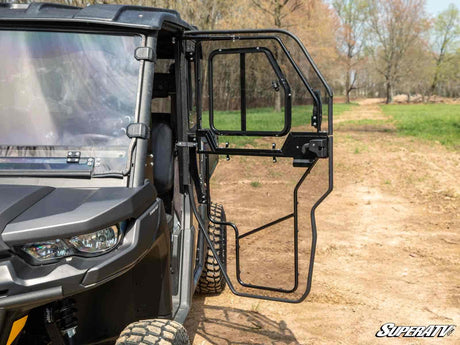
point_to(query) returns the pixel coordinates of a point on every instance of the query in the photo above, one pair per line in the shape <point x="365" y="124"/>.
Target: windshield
<point x="62" y="92"/>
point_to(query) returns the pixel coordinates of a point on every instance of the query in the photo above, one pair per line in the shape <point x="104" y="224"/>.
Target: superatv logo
<point x="431" y="331"/>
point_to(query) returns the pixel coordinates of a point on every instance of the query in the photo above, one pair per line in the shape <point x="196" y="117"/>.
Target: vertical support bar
<point x="182" y="112"/>
<point x="198" y="85"/>
<point x="190" y="86"/>
<point x="145" y="100"/>
<point x="186" y="284"/>
<point x="243" y="90"/>
<point x="210" y="93"/>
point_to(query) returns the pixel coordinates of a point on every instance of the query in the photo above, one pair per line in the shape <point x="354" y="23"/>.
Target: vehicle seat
<point x="163" y="152"/>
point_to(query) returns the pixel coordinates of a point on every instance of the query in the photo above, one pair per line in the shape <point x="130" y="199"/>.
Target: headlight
<point x="48" y="250"/>
<point x="97" y="242"/>
<point x="92" y="244"/>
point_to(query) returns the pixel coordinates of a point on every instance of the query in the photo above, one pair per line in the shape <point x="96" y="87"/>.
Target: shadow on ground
<point x="209" y="324"/>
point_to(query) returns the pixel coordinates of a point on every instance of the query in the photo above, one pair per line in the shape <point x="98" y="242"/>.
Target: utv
<point x="112" y="120"/>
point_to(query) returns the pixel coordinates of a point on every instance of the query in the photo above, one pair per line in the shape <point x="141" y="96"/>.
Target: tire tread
<point x="212" y="281"/>
<point x="154" y="332"/>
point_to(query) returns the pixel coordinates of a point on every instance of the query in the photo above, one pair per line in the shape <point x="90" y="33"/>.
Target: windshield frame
<point x="95" y="30"/>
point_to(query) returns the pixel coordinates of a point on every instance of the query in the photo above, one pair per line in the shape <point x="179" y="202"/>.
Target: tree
<point x="394" y="25"/>
<point x="416" y="70"/>
<point x="278" y="10"/>
<point x="351" y="38"/>
<point x="445" y="33"/>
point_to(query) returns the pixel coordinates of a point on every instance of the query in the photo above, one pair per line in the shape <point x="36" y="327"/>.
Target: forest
<point x="364" y="48"/>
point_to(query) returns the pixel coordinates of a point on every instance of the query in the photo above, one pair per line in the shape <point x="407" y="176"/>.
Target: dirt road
<point x="388" y="245"/>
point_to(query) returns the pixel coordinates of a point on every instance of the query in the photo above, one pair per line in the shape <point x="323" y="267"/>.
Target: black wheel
<point x="212" y="281"/>
<point x="153" y="332"/>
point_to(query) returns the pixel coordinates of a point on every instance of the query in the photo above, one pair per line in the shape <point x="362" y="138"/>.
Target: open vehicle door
<point x="259" y="95"/>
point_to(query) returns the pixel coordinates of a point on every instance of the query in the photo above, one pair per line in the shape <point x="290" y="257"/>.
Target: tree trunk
<point x="347" y="87"/>
<point x="277" y="102"/>
<point x="389" y="92"/>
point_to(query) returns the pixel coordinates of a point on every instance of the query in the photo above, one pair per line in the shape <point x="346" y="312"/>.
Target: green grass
<point x="265" y="119"/>
<point x="436" y="122"/>
<point x="340" y="108"/>
<point x="261" y="119"/>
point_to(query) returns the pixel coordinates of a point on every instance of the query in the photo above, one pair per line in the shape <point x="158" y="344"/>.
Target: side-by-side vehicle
<point x="112" y="122"/>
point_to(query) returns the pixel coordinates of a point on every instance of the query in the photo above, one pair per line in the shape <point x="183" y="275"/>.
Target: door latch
<point x="317" y="146"/>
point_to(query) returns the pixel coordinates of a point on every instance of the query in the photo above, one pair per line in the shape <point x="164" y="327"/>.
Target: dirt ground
<point x="387" y="249"/>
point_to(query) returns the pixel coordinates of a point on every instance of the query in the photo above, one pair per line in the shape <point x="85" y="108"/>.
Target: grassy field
<point x="435" y="122"/>
<point x="439" y="122"/>
<point x="264" y="119"/>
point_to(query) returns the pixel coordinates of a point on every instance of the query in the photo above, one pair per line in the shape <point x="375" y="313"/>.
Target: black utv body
<point x="99" y="189"/>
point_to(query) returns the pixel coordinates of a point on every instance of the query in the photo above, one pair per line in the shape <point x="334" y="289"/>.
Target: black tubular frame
<point x="281" y="79"/>
<point x="237" y="35"/>
<point x="238" y="237"/>
<point x="288" y="150"/>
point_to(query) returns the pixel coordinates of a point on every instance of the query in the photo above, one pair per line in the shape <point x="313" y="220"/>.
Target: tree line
<point x="365" y="48"/>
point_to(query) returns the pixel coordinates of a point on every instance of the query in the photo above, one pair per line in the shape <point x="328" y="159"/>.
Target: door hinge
<point x="317" y="117"/>
<point x="186" y="144"/>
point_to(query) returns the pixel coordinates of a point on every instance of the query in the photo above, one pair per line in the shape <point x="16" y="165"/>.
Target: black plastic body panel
<point x="74" y="274"/>
<point x="146" y="18"/>
<point x="14" y="200"/>
<point x="65" y="212"/>
<point x="135" y="273"/>
<point x="141" y="293"/>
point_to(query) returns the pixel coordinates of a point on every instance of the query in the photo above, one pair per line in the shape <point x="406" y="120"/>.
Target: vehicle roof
<point x="146" y="18"/>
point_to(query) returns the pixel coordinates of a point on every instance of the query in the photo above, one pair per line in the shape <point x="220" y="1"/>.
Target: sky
<point x="433" y="7"/>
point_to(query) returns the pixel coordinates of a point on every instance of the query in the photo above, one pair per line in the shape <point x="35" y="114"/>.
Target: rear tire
<point x="153" y="332"/>
<point x="212" y="280"/>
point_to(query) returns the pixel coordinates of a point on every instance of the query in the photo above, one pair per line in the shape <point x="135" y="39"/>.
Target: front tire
<point x="153" y="332"/>
<point x="212" y="280"/>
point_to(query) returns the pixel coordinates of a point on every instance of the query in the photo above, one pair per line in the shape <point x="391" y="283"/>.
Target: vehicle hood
<point x="36" y="213"/>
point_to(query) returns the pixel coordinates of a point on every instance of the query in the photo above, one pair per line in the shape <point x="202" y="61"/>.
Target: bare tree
<point x="416" y="70"/>
<point x="351" y="38"/>
<point x="278" y="10"/>
<point x="394" y="25"/>
<point x="446" y="32"/>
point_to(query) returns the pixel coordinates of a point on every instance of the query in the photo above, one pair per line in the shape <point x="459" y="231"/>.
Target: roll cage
<point x="165" y="35"/>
